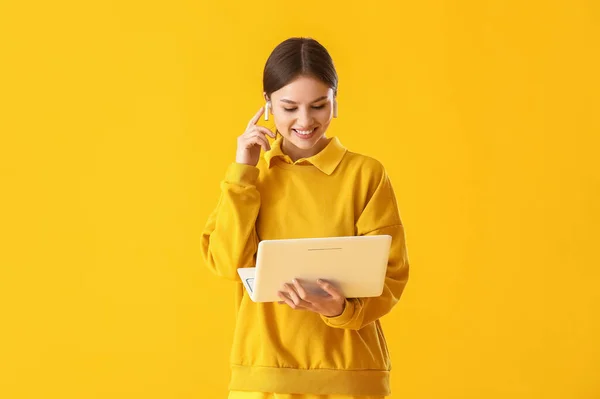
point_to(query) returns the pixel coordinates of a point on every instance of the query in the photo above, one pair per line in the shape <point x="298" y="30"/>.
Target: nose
<point x="305" y="118"/>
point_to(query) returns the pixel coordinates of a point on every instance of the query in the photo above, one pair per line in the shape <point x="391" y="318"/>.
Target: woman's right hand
<point x="250" y="142"/>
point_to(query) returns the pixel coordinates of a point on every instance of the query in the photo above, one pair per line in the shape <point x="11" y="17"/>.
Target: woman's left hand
<point x="297" y="297"/>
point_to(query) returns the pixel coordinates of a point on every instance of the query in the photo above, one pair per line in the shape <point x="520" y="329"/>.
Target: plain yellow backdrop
<point x="118" y="120"/>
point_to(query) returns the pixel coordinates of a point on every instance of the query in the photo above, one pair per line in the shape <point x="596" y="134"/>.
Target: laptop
<point x="356" y="265"/>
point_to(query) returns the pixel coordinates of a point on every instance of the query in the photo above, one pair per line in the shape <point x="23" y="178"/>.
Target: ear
<point x="269" y="109"/>
<point x="335" y="108"/>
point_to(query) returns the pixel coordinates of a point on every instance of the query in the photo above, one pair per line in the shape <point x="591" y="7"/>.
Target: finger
<point x="287" y="300"/>
<point x="284" y="293"/>
<point x="300" y="290"/>
<point x="256" y="117"/>
<point x="257" y="139"/>
<point x="262" y="129"/>
<point x="293" y="294"/>
<point x="264" y="143"/>
<point x="330" y="289"/>
<point x="268" y="131"/>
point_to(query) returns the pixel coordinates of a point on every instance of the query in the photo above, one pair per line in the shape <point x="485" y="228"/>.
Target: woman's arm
<point x="380" y="216"/>
<point x="229" y="239"/>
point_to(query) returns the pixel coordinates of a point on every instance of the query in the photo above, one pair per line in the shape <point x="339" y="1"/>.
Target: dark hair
<point x="298" y="56"/>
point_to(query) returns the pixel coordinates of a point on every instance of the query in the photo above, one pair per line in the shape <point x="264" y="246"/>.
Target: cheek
<point x="324" y="116"/>
<point x="282" y="121"/>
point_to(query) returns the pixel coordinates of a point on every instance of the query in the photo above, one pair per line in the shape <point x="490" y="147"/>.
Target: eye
<point x="314" y="107"/>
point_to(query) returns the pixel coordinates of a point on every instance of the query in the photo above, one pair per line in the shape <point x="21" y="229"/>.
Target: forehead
<point x="303" y="89"/>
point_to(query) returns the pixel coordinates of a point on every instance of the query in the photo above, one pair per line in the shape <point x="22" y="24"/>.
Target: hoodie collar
<point x="326" y="160"/>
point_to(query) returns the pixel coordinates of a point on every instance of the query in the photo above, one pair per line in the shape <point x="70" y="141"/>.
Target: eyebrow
<point x="284" y="100"/>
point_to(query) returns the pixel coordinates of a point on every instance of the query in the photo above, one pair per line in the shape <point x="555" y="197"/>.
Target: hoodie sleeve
<point x="229" y="240"/>
<point x="380" y="216"/>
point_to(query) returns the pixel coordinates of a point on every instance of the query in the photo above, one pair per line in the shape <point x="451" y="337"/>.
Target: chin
<point x="304" y="144"/>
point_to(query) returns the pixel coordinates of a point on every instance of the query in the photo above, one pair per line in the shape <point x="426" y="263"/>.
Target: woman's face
<point x="302" y="111"/>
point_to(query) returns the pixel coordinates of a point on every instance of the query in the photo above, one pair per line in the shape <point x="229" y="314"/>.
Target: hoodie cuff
<point x="342" y="320"/>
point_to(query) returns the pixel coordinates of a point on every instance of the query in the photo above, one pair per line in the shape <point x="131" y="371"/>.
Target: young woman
<point x="305" y="185"/>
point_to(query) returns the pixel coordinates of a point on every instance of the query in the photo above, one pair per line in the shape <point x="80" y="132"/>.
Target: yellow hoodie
<point x="333" y="193"/>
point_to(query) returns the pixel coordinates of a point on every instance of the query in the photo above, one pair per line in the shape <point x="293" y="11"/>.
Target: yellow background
<point x="119" y="118"/>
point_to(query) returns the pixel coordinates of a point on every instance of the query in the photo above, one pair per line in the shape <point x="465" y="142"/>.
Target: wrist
<point x="340" y="312"/>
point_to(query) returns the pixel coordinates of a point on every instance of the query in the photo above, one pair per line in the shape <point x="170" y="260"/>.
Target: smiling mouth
<point x="304" y="132"/>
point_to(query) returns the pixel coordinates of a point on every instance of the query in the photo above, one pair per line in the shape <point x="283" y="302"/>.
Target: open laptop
<point x="356" y="265"/>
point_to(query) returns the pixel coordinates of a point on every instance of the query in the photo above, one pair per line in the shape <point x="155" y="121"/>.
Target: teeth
<point x="305" y="132"/>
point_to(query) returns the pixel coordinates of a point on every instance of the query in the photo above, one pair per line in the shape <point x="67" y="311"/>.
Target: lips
<point x="304" y="131"/>
<point x="305" y="134"/>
